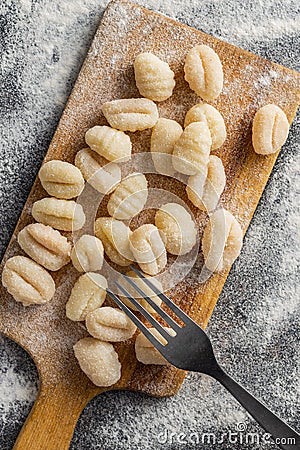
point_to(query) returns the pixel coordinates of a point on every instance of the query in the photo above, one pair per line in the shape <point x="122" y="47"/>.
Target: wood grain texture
<point x="250" y="82"/>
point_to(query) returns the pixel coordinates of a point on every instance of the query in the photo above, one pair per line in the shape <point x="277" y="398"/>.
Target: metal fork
<point x="190" y="349"/>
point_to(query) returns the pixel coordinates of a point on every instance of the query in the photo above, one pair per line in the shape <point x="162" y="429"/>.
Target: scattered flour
<point x="18" y="387"/>
<point x="13" y="388"/>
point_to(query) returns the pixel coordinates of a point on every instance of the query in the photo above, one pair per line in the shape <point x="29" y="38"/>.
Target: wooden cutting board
<point x="107" y="73"/>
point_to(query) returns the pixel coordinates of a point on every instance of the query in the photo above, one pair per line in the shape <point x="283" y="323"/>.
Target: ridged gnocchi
<point x="131" y="114"/>
<point x="165" y="134"/>
<point x="98" y="360"/>
<point x="204" y="189"/>
<point x="109" y="324"/>
<point x="114" y="236"/>
<point x="148" y="249"/>
<point x="61" y="179"/>
<point x="145" y="289"/>
<point x="154" y="78"/>
<point x="97" y="171"/>
<point x="27" y="281"/>
<point x="191" y="151"/>
<point x="146" y="353"/>
<point x="65" y="215"/>
<point x="87" y="254"/>
<point x="45" y="245"/>
<point x="203" y="71"/>
<point x="222" y="241"/>
<point x="203" y="112"/>
<point x="113" y="145"/>
<point x="270" y="129"/>
<point x="88" y="294"/>
<point x="129" y="197"/>
<point x="178" y="228"/>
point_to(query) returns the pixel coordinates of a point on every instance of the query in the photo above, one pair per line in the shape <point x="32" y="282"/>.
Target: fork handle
<point x="284" y="436"/>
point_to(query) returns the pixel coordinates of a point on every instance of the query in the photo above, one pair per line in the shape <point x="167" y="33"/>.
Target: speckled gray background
<point x="255" y="324"/>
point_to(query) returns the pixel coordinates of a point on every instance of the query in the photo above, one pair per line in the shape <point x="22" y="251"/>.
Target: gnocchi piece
<point x="98" y="360"/>
<point x="131" y="114"/>
<point x="177" y="227"/>
<point x="154" y="78"/>
<point x="165" y="134"/>
<point x="65" y="215"/>
<point x="45" y="245"/>
<point x="203" y="71"/>
<point x="129" y="197"/>
<point x="203" y="112"/>
<point x="148" y="249"/>
<point x="113" y="145"/>
<point x="97" y="171"/>
<point x="61" y="179"/>
<point x="146" y="353"/>
<point x="87" y="254"/>
<point x="139" y="282"/>
<point x="88" y="294"/>
<point x="191" y="151"/>
<point x="222" y="241"/>
<point x="110" y="324"/>
<point x="27" y="281"/>
<point x="270" y="129"/>
<point x="114" y="236"/>
<point x="204" y="189"/>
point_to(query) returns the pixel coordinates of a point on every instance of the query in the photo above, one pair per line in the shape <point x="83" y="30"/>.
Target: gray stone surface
<point x="255" y="324"/>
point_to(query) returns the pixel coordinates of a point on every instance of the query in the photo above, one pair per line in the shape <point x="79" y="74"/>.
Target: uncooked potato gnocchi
<point x="177" y="227"/>
<point x="65" y="215"/>
<point x="146" y="353"/>
<point x="165" y="134"/>
<point x="97" y="171"/>
<point x="45" y="245"/>
<point x="270" y="129"/>
<point x="191" y="151"/>
<point x="27" y="281"/>
<point x="129" y="197"/>
<point x="87" y="254"/>
<point x="131" y="114"/>
<point x="109" y="324"/>
<point x="113" y="145"/>
<point x="154" y="78"/>
<point x="148" y="249"/>
<point x="88" y="294"/>
<point x="222" y="241"/>
<point x="147" y="290"/>
<point x="203" y="112"/>
<point x="98" y="360"/>
<point x="204" y="189"/>
<point x="114" y="236"/>
<point x="203" y="71"/>
<point x="61" y="179"/>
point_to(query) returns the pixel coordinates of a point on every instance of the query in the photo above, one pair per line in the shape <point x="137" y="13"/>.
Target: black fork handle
<point x="284" y="436"/>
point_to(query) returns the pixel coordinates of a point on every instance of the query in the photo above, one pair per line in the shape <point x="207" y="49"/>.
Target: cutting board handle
<point x="52" y="420"/>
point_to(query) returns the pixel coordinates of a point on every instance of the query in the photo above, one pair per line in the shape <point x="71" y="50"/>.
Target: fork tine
<point x="137" y="322"/>
<point x="178" y="311"/>
<point x="145" y="313"/>
<point x="156" y="308"/>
